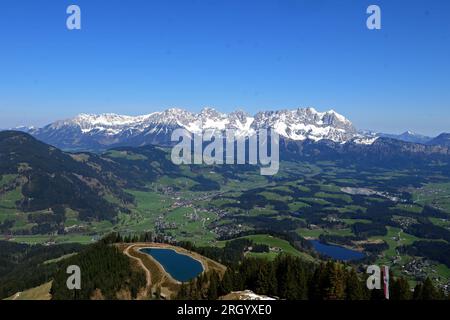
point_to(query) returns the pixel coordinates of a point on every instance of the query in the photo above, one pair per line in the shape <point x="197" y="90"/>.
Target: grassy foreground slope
<point x="41" y="292"/>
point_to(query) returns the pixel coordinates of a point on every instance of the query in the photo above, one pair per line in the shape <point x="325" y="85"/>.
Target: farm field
<point x="344" y="206"/>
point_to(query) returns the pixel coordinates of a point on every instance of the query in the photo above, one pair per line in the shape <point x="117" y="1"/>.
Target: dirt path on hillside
<point x="147" y="272"/>
<point x="17" y="295"/>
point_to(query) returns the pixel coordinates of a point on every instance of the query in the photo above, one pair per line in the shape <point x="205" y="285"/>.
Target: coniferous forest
<point x="291" y="278"/>
<point x="107" y="274"/>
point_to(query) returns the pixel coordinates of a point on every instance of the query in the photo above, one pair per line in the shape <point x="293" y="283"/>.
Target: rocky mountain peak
<point x="111" y="129"/>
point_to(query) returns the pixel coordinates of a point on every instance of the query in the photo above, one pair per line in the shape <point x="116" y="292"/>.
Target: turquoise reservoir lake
<point x="180" y="266"/>
<point x="337" y="252"/>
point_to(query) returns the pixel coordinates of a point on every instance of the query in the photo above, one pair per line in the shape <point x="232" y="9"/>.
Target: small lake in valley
<point x="336" y="252"/>
<point x="180" y="266"/>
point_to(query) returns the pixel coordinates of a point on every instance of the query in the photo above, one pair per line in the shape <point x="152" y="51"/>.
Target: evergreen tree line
<point x="289" y="277"/>
<point x="286" y="277"/>
<point x="116" y="237"/>
<point x="105" y="271"/>
<point x="24" y="266"/>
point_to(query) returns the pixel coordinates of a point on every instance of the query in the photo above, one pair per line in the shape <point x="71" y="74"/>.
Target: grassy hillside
<point x="39" y="183"/>
<point x="277" y="245"/>
<point x="41" y="292"/>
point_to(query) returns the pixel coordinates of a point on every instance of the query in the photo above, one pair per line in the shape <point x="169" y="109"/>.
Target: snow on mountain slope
<point x="302" y="124"/>
<point x="111" y="129"/>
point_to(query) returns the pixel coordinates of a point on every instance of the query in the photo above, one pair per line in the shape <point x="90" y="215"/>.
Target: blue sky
<point x="138" y="56"/>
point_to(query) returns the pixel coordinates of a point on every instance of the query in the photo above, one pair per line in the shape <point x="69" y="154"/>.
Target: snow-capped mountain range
<point x="95" y="131"/>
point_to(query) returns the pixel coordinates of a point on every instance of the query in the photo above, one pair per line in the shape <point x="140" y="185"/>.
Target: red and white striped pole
<point x="386" y="282"/>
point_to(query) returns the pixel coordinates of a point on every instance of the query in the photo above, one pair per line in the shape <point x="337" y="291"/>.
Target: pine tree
<point x="429" y="292"/>
<point x="226" y="285"/>
<point x="335" y="282"/>
<point x="213" y="286"/>
<point x="353" y="287"/>
<point x="183" y="294"/>
<point x="193" y="293"/>
<point x="316" y="284"/>
<point x="400" y="289"/>
<point x="417" y="295"/>
<point x="262" y="281"/>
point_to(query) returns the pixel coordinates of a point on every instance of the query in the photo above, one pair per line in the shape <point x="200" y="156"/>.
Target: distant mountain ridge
<point x="104" y="131"/>
<point x="107" y="130"/>
<point x="408" y="136"/>
<point x="442" y="140"/>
